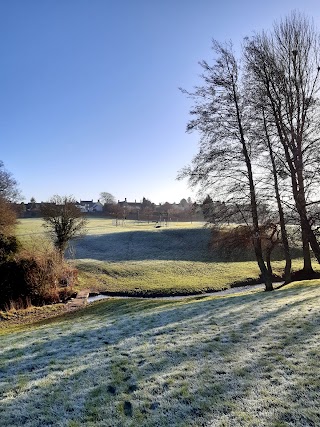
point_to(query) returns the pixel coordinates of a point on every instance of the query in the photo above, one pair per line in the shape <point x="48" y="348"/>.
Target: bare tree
<point x="115" y="211"/>
<point x="64" y="220"/>
<point x="107" y="198"/>
<point x="225" y="158"/>
<point x="8" y="185"/>
<point x="285" y="68"/>
<point x="9" y="192"/>
<point x="266" y="143"/>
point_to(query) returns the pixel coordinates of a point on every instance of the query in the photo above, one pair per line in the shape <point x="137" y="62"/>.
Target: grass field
<point x="140" y="259"/>
<point x="240" y="360"/>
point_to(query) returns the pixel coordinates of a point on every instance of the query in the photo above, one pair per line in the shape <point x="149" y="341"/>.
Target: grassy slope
<point x="140" y="259"/>
<point x="249" y="360"/>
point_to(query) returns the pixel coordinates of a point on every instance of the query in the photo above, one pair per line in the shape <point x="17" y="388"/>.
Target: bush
<point x="39" y="276"/>
<point x="8" y="218"/>
<point x="8" y="247"/>
<point x="12" y="282"/>
<point x="232" y="243"/>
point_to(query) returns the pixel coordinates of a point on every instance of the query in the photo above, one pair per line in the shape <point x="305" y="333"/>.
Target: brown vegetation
<point x="35" y="277"/>
<point x="7" y="217"/>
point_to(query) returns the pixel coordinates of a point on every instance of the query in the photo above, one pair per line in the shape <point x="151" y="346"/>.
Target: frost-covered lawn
<point x="249" y="360"/>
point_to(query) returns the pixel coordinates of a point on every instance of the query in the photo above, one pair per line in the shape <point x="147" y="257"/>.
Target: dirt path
<point x="80" y="300"/>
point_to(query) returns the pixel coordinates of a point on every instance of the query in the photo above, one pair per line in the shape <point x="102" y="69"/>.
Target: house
<point x="130" y="206"/>
<point x="97" y="207"/>
<point x="130" y="209"/>
<point x="90" y="206"/>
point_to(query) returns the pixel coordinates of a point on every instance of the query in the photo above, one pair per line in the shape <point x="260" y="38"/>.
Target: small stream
<point x="97" y="298"/>
<point x="179" y="297"/>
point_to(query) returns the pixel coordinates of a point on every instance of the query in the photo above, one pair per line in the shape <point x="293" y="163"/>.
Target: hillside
<point x="240" y="360"/>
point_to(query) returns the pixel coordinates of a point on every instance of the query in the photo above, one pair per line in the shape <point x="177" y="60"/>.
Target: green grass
<point x="139" y="259"/>
<point x="162" y="277"/>
<point x="241" y="360"/>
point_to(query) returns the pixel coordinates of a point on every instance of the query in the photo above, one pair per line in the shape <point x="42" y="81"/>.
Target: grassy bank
<point x="139" y="259"/>
<point x="249" y="360"/>
<point x="162" y="277"/>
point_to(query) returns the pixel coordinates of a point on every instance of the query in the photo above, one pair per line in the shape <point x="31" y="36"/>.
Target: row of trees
<point x="258" y="120"/>
<point x="146" y="210"/>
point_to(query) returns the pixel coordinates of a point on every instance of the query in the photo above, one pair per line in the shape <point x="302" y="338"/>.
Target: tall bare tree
<point x="225" y="158"/>
<point x="284" y="66"/>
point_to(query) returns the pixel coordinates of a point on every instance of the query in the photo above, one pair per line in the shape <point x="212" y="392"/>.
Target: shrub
<point x="40" y="276"/>
<point x="8" y="219"/>
<point x="232" y="243"/>
<point x="12" y="282"/>
<point x="47" y="276"/>
<point x="8" y="247"/>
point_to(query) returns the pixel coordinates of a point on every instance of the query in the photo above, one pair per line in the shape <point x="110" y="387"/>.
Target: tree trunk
<point x="307" y="264"/>
<point x="284" y="235"/>
<point x="306" y="230"/>
<point x="266" y="276"/>
<point x="297" y="190"/>
<point x="268" y="259"/>
<point x="308" y="233"/>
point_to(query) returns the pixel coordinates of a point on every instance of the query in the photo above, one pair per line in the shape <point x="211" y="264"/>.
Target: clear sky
<point x="89" y="98"/>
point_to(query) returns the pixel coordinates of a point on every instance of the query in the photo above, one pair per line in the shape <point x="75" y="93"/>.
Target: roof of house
<point x="86" y="202"/>
<point x="126" y="203"/>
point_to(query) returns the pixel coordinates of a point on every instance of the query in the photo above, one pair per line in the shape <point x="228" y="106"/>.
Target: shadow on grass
<point x="85" y="369"/>
<point x="161" y="244"/>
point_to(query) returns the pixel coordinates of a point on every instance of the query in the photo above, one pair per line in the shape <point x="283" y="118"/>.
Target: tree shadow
<point x="147" y="353"/>
<point x="160" y="244"/>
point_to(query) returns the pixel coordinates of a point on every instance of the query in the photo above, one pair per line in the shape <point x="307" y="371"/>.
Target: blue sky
<point x="89" y="89"/>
